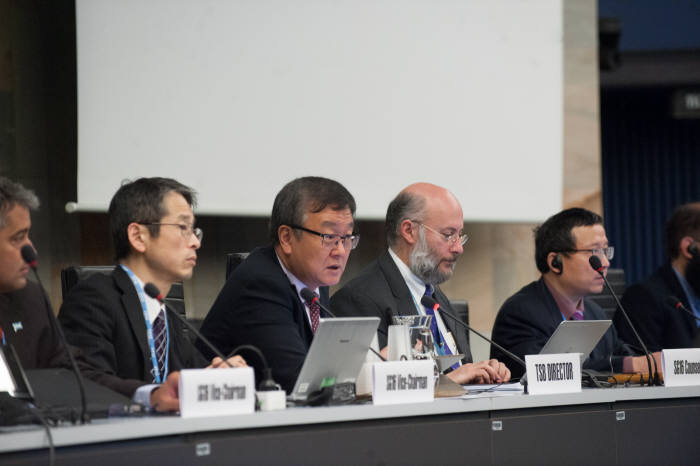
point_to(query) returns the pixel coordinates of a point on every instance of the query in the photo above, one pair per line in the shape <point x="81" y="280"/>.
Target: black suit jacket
<point x="380" y="291"/>
<point x="658" y="323"/>
<point x="259" y="306"/>
<point x="102" y="316"/>
<point x="24" y="319"/>
<point x="529" y="317"/>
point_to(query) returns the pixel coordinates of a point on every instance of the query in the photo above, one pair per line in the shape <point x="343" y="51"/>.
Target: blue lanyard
<point x="149" y="329"/>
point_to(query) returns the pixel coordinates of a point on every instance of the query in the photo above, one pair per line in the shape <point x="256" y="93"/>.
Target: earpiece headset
<point x="557" y="264"/>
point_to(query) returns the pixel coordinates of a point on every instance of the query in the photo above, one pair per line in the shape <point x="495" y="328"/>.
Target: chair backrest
<point x="616" y="278"/>
<point x="461" y="308"/>
<point x="233" y="260"/>
<point x="70" y="276"/>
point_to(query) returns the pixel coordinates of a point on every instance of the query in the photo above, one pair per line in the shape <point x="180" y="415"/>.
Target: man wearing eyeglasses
<point x="424" y="228"/>
<point x="653" y="305"/>
<point x="312" y="234"/>
<point x="127" y="335"/>
<point x="563" y="246"/>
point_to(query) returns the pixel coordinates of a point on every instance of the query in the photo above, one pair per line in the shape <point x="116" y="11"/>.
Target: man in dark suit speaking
<point x="424" y="226"/>
<point x="125" y="334"/>
<point x="311" y="229"/>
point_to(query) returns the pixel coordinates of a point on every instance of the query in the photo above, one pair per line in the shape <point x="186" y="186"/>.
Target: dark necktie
<point x="161" y="340"/>
<point x="440" y="344"/>
<point x="315" y="314"/>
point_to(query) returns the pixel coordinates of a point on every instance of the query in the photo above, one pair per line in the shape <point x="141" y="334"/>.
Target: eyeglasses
<point x="451" y="239"/>
<point x="608" y="252"/>
<point x="185" y="230"/>
<point x="332" y="241"/>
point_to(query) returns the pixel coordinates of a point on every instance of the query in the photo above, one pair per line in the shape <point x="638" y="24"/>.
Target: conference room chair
<point x="605" y="300"/>
<point x="233" y="260"/>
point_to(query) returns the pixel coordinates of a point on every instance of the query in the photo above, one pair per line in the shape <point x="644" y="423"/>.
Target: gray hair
<point x="406" y="205"/>
<point x="11" y="194"/>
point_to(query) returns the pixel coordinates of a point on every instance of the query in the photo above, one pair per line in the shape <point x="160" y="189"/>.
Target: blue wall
<point x="650" y="163"/>
<point x="655" y="24"/>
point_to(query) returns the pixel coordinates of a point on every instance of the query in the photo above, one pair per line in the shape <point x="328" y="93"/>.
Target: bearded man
<point x="653" y="305"/>
<point x="424" y="229"/>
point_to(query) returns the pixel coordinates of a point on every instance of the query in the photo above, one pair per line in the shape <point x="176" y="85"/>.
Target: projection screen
<point x="235" y="98"/>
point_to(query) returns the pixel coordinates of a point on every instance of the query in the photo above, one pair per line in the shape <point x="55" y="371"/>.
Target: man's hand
<point x="491" y="371"/>
<point x="235" y="361"/>
<point x="638" y="364"/>
<point x="165" y="397"/>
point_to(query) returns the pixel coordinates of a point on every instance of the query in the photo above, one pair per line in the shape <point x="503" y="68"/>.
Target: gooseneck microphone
<point x="677" y="304"/>
<point x="151" y="290"/>
<point x="29" y="256"/>
<point x="310" y="297"/>
<point x="427" y="301"/>
<point x="597" y="265"/>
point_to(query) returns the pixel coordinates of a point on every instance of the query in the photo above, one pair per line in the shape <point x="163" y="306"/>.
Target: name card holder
<point x="217" y="392"/>
<point x="553" y="373"/>
<point x="397" y="382"/>
<point x="681" y="367"/>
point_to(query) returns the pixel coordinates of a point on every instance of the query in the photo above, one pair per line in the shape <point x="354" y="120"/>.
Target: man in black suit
<point x="424" y="226"/>
<point x="649" y="304"/>
<point x="123" y="332"/>
<point x="563" y="245"/>
<point x="311" y="229"/>
<point x="24" y="311"/>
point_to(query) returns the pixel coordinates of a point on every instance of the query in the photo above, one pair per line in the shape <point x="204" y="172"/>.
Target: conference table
<point x="625" y="425"/>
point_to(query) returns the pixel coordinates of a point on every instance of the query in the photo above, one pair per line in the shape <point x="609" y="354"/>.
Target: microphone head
<point x="596" y="263"/>
<point x="427" y="301"/>
<point x="153" y="291"/>
<point x="674" y="302"/>
<point x="29" y="255"/>
<point x="308" y="295"/>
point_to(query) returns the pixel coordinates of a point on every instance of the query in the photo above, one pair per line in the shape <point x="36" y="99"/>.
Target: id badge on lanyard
<point x="157" y="376"/>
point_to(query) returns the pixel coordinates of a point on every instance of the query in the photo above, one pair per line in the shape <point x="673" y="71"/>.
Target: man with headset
<point x="563" y="246"/>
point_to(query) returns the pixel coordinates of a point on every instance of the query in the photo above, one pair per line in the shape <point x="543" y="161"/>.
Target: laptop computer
<point x="576" y="336"/>
<point x="336" y="354"/>
<point x="13" y="380"/>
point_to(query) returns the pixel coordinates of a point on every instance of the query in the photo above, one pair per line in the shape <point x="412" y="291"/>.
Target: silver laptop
<point x="576" y="336"/>
<point x="336" y="354"/>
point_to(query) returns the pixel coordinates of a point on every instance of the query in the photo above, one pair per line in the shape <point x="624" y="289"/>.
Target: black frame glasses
<point x="332" y="241"/>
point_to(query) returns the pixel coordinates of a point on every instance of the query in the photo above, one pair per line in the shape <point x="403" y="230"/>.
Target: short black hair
<point x="141" y="201"/>
<point x="554" y="235"/>
<point x="684" y="221"/>
<point x="406" y="205"/>
<point x="307" y="194"/>
<point x="12" y="194"/>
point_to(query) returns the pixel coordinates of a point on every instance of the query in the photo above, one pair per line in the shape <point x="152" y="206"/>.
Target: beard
<point x="692" y="274"/>
<point x="425" y="263"/>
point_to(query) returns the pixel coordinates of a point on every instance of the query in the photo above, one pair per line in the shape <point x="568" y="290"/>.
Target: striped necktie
<point x="161" y="340"/>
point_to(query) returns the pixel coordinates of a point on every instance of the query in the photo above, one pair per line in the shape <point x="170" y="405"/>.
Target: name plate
<point x="553" y="373"/>
<point x="681" y="366"/>
<point x="396" y="382"/>
<point x="217" y="392"/>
